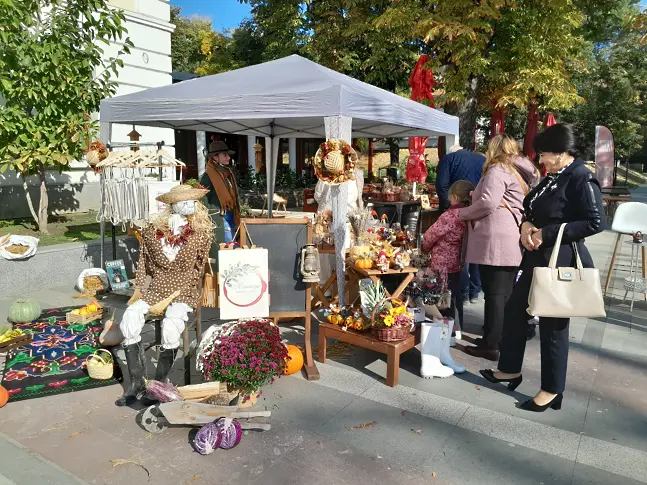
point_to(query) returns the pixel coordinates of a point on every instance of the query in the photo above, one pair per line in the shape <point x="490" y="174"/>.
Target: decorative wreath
<point x="335" y="161"/>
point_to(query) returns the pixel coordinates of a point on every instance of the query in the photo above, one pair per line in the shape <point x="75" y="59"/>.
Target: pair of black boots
<point x="137" y="370"/>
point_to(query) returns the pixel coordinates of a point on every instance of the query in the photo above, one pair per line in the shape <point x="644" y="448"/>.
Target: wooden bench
<point x="366" y="340"/>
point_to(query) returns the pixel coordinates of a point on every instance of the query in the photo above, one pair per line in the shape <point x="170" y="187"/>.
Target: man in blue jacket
<point x="460" y="164"/>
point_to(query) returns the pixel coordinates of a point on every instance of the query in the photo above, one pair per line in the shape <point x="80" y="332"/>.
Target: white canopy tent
<point x="287" y="98"/>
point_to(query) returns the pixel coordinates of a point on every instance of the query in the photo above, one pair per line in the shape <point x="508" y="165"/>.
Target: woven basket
<point x="388" y="334"/>
<point x="92" y="157"/>
<point x="334" y="163"/>
<point x="99" y="367"/>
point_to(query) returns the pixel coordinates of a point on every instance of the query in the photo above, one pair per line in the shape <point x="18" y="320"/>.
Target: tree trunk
<point x="467" y="114"/>
<point x="29" y="201"/>
<point x="43" y="205"/>
<point x="394" y="151"/>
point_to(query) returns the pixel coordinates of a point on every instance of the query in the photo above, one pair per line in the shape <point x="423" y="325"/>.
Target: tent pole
<point x="271" y="151"/>
<point x="106" y="137"/>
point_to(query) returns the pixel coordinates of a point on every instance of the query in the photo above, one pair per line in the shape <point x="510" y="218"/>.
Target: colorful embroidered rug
<point x="54" y="362"/>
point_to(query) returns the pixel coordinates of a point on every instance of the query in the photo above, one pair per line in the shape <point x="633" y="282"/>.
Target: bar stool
<point x="629" y="218"/>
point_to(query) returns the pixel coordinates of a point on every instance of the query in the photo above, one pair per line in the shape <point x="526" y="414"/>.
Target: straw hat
<point x="180" y="193"/>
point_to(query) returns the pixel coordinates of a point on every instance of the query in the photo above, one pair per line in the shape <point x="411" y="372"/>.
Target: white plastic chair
<point x="629" y="218"/>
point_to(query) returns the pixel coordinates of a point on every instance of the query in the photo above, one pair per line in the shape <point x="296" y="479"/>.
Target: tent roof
<point x="289" y="96"/>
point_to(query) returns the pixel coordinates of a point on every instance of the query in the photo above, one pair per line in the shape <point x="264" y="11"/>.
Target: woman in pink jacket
<point x="493" y="233"/>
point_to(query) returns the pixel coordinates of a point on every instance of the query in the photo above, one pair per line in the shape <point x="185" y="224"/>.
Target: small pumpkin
<point x="335" y="319"/>
<point x="364" y="263"/>
<point x="24" y="311"/>
<point x="294" y="360"/>
<point x="4" y="396"/>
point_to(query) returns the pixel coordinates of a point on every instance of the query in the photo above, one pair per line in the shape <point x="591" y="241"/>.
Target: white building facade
<point x="147" y="66"/>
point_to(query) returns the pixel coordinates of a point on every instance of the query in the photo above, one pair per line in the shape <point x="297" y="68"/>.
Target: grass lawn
<point x="65" y="228"/>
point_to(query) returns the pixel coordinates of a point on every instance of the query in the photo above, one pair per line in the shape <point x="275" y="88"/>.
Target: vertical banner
<point x="604" y="156"/>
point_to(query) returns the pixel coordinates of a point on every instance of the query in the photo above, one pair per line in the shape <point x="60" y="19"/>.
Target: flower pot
<point x="247" y="401"/>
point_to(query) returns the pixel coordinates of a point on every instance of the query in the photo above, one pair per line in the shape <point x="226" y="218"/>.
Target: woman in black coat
<point x="568" y="194"/>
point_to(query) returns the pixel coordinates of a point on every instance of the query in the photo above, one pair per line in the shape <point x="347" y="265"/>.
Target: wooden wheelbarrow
<point x="158" y="417"/>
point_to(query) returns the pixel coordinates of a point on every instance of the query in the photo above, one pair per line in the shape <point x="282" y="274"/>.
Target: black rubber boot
<point x="136" y="369"/>
<point x="164" y="364"/>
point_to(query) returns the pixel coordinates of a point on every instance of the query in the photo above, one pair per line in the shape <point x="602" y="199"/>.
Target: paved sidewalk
<point x="457" y="431"/>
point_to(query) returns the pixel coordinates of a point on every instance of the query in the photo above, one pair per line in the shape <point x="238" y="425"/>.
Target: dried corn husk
<point x="160" y="307"/>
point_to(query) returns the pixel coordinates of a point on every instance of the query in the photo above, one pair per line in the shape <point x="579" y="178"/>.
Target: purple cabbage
<point x="163" y="391"/>
<point x="207" y="439"/>
<point x="231" y="432"/>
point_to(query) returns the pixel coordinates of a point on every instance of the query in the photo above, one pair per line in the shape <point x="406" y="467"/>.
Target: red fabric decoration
<point x="531" y="131"/>
<point x="497" y="123"/>
<point x="422" y="83"/>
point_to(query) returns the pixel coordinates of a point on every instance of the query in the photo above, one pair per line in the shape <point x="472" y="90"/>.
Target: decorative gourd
<point x="24" y="311"/>
<point x="364" y="263"/>
<point x="4" y="396"/>
<point x="294" y="361"/>
<point x="335" y="319"/>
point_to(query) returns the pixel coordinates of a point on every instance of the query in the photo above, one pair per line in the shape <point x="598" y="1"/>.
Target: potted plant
<point x="246" y="355"/>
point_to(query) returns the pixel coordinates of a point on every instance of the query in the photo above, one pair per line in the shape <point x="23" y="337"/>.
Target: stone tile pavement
<point x="459" y="431"/>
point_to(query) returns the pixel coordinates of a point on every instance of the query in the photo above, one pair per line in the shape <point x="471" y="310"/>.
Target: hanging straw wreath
<point x="335" y="162"/>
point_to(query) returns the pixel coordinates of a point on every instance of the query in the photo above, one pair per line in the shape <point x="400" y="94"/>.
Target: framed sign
<point x="117" y="276"/>
<point x="243" y="283"/>
<point x="424" y="201"/>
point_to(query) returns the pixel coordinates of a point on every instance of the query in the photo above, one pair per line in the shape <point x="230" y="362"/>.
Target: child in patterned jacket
<point x="444" y="239"/>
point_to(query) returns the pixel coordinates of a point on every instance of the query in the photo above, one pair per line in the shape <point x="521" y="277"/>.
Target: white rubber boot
<point x="445" y="356"/>
<point x="430" y="349"/>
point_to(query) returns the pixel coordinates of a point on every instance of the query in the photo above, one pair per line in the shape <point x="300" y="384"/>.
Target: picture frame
<point x="117" y="276"/>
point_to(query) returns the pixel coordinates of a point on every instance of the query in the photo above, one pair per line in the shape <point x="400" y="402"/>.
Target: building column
<point x="292" y="153"/>
<point x="251" y="153"/>
<point x="200" y="145"/>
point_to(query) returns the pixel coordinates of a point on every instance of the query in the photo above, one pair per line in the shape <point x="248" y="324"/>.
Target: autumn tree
<point x="53" y="75"/>
<point x="197" y="48"/>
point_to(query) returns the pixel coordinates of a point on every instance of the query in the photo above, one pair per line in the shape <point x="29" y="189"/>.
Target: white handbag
<point x="565" y="292"/>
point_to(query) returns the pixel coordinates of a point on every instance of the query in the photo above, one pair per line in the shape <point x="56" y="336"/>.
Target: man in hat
<point x="222" y="200"/>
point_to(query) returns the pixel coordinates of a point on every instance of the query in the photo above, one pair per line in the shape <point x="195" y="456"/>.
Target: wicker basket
<point x="99" y="367"/>
<point x="388" y="334"/>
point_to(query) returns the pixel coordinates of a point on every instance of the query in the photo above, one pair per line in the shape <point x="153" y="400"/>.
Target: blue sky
<point x="227" y="14"/>
<point x="224" y="14"/>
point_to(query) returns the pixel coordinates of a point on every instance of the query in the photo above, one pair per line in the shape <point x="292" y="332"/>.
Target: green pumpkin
<point x="24" y="311"/>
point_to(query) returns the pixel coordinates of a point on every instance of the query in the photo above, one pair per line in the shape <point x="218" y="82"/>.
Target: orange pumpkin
<point x="4" y="395"/>
<point x="294" y="360"/>
<point x="364" y="263"/>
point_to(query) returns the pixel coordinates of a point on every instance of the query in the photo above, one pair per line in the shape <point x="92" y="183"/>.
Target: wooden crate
<point x="15" y="342"/>
<point x="83" y="319"/>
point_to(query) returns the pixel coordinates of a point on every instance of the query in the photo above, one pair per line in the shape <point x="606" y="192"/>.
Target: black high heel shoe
<point x="512" y="383"/>
<point x="531" y="405"/>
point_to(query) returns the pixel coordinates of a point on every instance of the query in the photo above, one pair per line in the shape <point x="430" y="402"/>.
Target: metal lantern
<point x="310" y="266"/>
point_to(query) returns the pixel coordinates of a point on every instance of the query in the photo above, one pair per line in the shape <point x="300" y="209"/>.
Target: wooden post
<point x="370" y="159"/>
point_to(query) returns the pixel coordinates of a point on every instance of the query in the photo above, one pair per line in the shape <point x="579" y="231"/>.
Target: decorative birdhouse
<point x="134" y="136"/>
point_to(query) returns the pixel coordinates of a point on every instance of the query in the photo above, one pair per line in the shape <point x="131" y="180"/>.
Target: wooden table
<point x="366" y="341"/>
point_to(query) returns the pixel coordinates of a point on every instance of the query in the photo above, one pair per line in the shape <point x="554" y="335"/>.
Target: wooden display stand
<point x="393" y="350"/>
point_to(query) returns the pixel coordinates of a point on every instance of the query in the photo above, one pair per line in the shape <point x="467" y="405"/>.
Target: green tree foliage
<point x="197" y="48"/>
<point x="615" y="90"/>
<point x="53" y="75"/>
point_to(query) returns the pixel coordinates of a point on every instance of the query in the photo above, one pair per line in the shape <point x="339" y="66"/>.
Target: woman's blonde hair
<point x="501" y="149"/>
<point x="462" y="190"/>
